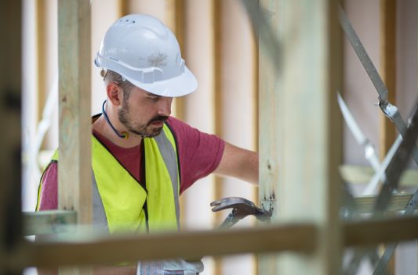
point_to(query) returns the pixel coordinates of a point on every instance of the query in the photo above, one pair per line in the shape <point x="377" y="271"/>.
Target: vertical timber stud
<point x="387" y="130"/>
<point x="268" y="130"/>
<point x="123" y="8"/>
<point x="10" y="118"/>
<point x="74" y="172"/>
<point x="217" y="79"/>
<point x="74" y="61"/>
<point x="388" y="70"/>
<point x="300" y="140"/>
<point x="217" y="93"/>
<point x="74" y="169"/>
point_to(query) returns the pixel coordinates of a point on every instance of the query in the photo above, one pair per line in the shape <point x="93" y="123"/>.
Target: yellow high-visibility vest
<point x="121" y="203"/>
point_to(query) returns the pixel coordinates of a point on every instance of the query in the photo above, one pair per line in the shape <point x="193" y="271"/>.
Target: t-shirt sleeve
<point x="199" y="153"/>
<point x="48" y="197"/>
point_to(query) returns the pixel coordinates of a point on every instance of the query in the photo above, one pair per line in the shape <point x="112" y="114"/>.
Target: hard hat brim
<point x="181" y="85"/>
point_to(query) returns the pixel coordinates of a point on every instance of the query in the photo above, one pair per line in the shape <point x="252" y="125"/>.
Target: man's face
<point x="143" y="113"/>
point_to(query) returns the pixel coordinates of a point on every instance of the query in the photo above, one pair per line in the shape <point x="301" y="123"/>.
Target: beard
<point x="144" y="130"/>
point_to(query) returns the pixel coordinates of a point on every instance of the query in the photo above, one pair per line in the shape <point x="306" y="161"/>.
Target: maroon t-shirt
<point x="199" y="155"/>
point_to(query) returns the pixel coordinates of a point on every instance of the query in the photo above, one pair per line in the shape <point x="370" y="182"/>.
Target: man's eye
<point x="154" y="98"/>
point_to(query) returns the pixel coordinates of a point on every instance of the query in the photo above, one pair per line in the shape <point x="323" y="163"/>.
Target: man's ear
<point x="114" y="93"/>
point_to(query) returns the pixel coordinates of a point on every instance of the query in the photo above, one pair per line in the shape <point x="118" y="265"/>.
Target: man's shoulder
<point x="179" y="127"/>
<point x="175" y="122"/>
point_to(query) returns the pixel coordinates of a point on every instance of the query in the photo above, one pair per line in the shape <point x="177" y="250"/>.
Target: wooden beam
<point x="10" y="119"/>
<point x="216" y="13"/>
<point x="296" y="237"/>
<point x="387" y="133"/>
<point x="123" y="8"/>
<point x="300" y="131"/>
<point x="55" y="221"/>
<point x="387" y="130"/>
<point x="269" y="121"/>
<point x="217" y="90"/>
<point x="268" y="128"/>
<point x="74" y="61"/>
<point x="74" y="170"/>
<point x="105" y="250"/>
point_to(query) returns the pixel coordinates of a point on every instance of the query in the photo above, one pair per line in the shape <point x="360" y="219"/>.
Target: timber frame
<point x="309" y="225"/>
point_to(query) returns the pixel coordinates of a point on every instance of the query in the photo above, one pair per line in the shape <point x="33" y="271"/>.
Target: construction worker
<point x="142" y="158"/>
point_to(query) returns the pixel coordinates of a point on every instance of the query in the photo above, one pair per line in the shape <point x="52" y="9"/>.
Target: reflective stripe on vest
<point x="166" y="147"/>
<point x="118" y="199"/>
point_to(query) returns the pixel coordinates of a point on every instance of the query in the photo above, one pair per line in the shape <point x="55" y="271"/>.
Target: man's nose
<point x="165" y="106"/>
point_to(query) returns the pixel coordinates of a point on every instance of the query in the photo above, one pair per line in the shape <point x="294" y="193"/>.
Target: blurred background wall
<point x="219" y="46"/>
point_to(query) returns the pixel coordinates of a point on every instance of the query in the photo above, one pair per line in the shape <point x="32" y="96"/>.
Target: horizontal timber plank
<point x="295" y="237"/>
<point x="60" y="221"/>
<point x="95" y="249"/>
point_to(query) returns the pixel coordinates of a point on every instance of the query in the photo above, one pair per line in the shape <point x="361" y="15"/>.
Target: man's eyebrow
<point x="152" y="95"/>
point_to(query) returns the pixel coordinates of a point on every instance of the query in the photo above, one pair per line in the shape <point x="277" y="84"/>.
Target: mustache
<point x="158" y="119"/>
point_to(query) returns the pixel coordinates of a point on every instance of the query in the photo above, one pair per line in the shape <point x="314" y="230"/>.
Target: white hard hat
<point x="145" y="52"/>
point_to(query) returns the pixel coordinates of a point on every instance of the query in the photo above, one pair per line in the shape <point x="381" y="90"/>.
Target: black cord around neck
<point x="124" y="135"/>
